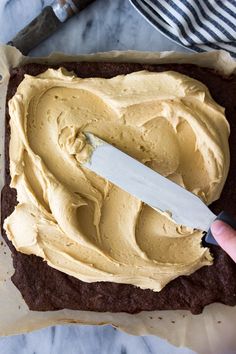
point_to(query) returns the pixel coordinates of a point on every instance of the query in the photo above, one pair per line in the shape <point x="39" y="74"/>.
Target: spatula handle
<point x="228" y="219"/>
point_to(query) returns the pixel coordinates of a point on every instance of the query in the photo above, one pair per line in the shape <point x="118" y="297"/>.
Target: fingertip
<point x="225" y="235"/>
<point x="218" y="228"/>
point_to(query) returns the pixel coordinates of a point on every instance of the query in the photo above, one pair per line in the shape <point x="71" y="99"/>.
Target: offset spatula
<point x="152" y="188"/>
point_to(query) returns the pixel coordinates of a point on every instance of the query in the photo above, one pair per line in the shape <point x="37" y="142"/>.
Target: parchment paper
<point x="211" y="332"/>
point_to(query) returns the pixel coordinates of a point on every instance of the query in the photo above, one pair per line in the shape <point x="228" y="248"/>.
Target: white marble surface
<point x="105" y="25"/>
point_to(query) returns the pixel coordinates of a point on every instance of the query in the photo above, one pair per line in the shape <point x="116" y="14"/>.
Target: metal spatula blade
<point x="150" y="187"/>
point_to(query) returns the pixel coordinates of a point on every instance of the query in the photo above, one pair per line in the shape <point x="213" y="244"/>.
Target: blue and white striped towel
<point x="200" y="25"/>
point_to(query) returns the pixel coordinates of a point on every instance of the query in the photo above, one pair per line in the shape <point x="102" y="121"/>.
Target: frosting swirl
<point x="80" y="223"/>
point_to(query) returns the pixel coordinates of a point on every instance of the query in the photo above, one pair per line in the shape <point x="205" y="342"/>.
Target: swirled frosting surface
<point x="80" y="223"/>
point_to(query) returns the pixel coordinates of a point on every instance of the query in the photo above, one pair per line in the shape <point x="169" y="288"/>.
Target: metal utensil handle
<point x="64" y="9"/>
<point x="36" y="31"/>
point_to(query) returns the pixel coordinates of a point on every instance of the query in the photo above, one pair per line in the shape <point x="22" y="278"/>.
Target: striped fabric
<point x="200" y="25"/>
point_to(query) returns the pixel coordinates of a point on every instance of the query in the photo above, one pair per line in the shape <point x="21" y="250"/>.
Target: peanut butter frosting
<point x="78" y="222"/>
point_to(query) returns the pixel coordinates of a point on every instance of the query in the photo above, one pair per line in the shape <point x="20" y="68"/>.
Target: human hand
<point x="225" y="235"/>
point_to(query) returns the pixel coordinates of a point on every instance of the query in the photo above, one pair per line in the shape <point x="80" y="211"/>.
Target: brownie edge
<point x="44" y="288"/>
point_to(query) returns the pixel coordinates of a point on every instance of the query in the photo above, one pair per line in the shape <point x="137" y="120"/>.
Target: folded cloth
<point x="200" y="25"/>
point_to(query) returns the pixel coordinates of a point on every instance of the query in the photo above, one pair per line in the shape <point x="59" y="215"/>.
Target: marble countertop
<point x="105" y="25"/>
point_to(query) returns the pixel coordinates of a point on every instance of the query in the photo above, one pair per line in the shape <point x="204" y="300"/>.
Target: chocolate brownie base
<point x="44" y="288"/>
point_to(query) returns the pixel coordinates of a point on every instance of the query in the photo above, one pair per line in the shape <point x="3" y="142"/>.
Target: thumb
<point x="225" y="235"/>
